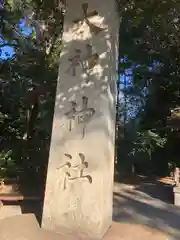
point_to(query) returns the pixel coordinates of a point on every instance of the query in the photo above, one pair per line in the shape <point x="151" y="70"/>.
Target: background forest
<point x="149" y="84"/>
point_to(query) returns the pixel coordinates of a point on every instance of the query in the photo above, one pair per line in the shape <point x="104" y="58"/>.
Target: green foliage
<point x="7" y="163"/>
<point x="150" y="66"/>
<point x="150" y="53"/>
<point x="147" y="141"/>
<point x="34" y="63"/>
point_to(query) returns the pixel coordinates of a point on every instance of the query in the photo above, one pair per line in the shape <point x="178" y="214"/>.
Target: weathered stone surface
<point x="22" y="227"/>
<point x="80" y="173"/>
<point x="176" y="191"/>
<point x="25" y="227"/>
<point x="49" y="235"/>
<point x="9" y="211"/>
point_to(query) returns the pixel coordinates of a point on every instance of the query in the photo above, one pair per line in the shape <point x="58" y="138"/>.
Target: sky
<point x="8" y="52"/>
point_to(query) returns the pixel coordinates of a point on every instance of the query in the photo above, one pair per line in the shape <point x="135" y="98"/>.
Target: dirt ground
<point x="147" y="202"/>
<point x="143" y="209"/>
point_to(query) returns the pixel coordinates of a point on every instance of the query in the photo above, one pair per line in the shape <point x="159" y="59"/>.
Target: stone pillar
<point x="176" y="191"/>
<point x="79" y="187"/>
<point x="176" y="176"/>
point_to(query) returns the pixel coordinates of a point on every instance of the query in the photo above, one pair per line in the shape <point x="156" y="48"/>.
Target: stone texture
<point x="49" y="235"/>
<point x="25" y="227"/>
<point x="176" y="191"/>
<point x="9" y="211"/>
<point x="22" y="227"/>
<point x="80" y="172"/>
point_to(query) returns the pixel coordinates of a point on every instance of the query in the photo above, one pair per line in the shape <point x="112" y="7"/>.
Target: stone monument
<point x="176" y="188"/>
<point x="173" y="122"/>
<point x="79" y="186"/>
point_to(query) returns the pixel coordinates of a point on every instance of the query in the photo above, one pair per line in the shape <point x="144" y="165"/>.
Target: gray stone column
<point x="79" y="187"/>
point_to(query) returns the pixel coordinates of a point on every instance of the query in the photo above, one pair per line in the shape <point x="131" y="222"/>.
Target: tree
<point x="149" y="47"/>
<point x="33" y="29"/>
